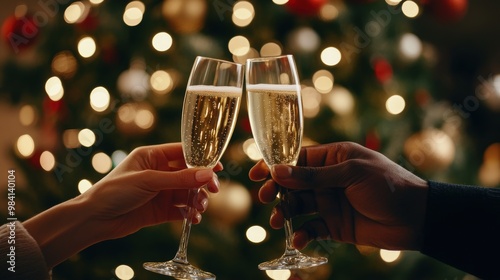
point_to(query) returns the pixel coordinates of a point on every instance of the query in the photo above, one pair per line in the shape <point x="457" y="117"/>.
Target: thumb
<point x="307" y="177"/>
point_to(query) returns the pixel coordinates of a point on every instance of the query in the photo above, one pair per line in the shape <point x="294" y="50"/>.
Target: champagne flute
<point x="275" y="112"/>
<point x="211" y="105"/>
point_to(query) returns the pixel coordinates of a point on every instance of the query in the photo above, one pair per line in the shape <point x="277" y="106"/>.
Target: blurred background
<point x="82" y="83"/>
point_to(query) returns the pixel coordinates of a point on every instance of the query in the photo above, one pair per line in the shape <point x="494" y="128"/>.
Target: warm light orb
<point x="395" y="104"/>
<point x="251" y="150"/>
<point x="25" y="145"/>
<point x="54" y="88"/>
<point x="243" y="13"/>
<point x="84" y="185"/>
<point x="340" y="100"/>
<point x="410" y="46"/>
<point x="323" y="81"/>
<point x="75" y="13"/>
<point x="27" y="115"/>
<point x="102" y="163"/>
<point x="270" y="49"/>
<point x="99" y="99"/>
<point x="161" y="82"/>
<point x="118" y="156"/>
<point x="70" y="138"/>
<point x="331" y="56"/>
<point x="64" y="64"/>
<point x="279" y="274"/>
<point x="86" y="137"/>
<point x="162" y="41"/>
<point x="124" y="272"/>
<point x="96" y="2"/>
<point x="389" y="256"/>
<point x="133" y="13"/>
<point x="410" y="9"/>
<point x="256" y="234"/>
<point x="393" y="2"/>
<point x="311" y="100"/>
<point x="86" y="47"/>
<point x="328" y="12"/>
<point x="239" y="45"/>
<point x="280" y="2"/>
<point x="304" y="39"/>
<point x="144" y="118"/>
<point x="47" y="161"/>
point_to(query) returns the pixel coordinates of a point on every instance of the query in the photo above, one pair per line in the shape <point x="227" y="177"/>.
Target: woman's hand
<point x="151" y="186"/>
<point x="358" y="195"/>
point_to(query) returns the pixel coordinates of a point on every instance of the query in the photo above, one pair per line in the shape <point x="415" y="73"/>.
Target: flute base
<point x="293" y="259"/>
<point x="179" y="270"/>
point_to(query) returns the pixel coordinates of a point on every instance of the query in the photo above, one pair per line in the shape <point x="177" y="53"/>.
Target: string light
<point x="410" y="9"/>
<point x="311" y="100"/>
<point x="84" y="185"/>
<point x="161" y="82"/>
<point x="27" y="115"/>
<point x="340" y="100"/>
<point x="162" y="41"/>
<point x="47" y="161"/>
<point x="99" y="99"/>
<point x="389" y="256"/>
<point x="75" y="13"/>
<point x="251" y="150"/>
<point x="86" y="47"/>
<point x="331" y="56"/>
<point x="133" y="13"/>
<point x="70" y="138"/>
<point x="410" y="46"/>
<point x="124" y="272"/>
<point x="279" y="274"/>
<point x="328" y="12"/>
<point x="395" y="104"/>
<point x="256" y="234"/>
<point x="64" y="64"/>
<point x="323" y="81"/>
<point x="54" y="88"/>
<point x="102" y="163"/>
<point x="280" y="2"/>
<point x="25" y="145"/>
<point x="243" y="13"/>
<point x="270" y="49"/>
<point x="239" y="45"/>
<point x="118" y="156"/>
<point x="86" y="137"/>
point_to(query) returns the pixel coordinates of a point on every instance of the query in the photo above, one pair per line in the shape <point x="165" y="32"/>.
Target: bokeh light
<point x="54" y="88"/>
<point x="395" y="104"/>
<point x="84" y="185"/>
<point x="410" y="46"/>
<point x="328" y="12"/>
<point x="47" y="161"/>
<point x="239" y="45"/>
<point x="410" y="9"/>
<point x="27" y="115"/>
<point x="102" y="163"/>
<point x="251" y="150"/>
<point x="99" y="99"/>
<point x="25" y="145"/>
<point x="162" y="41"/>
<point x="270" y="49"/>
<point x="70" y="138"/>
<point x="243" y="13"/>
<point x="256" y="234"/>
<point x="331" y="56"/>
<point x="133" y="13"/>
<point x="303" y="39"/>
<point x="323" y="81"/>
<point x="87" y="47"/>
<point x="389" y="256"/>
<point x="118" y="156"/>
<point x="340" y="100"/>
<point x="161" y="82"/>
<point x="75" y="13"/>
<point x="86" y="137"/>
<point x="124" y="272"/>
<point x="311" y="100"/>
<point x="64" y="64"/>
<point x="279" y="274"/>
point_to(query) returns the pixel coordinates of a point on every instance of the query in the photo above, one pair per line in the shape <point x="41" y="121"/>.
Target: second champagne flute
<point x="275" y="111"/>
<point x="211" y="105"/>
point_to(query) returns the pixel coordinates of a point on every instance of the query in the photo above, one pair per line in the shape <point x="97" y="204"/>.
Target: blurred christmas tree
<point x="99" y="78"/>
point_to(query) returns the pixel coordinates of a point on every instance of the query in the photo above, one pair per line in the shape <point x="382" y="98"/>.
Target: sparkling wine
<point x="208" y="121"/>
<point x="275" y="117"/>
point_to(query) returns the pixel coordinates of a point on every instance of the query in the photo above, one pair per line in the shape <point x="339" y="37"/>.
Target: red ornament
<point x="382" y="69"/>
<point x="447" y="10"/>
<point x="305" y="7"/>
<point x="372" y="140"/>
<point x="20" y="32"/>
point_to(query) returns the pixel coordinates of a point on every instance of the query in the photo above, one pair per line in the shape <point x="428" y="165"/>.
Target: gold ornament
<point x="430" y="150"/>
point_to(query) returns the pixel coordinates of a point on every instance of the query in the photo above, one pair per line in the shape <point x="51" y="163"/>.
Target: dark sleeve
<point x="462" y="228"/>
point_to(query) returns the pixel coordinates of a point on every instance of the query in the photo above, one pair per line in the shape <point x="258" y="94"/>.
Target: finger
<point x="201" y="201"/>
<point x="268" y="192"/>
<point x="277" y="219"/>
<point x="191" y="178"/>
<point x="259" y="171"/>
<point x="214" y="185"/>
<point x="305" y="177"/>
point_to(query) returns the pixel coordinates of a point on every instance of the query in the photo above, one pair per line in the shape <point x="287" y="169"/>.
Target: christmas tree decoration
<point x="185" y="16"/>
<point x="20" y="31"/>
<point x="305" y="8"/>
<point x="447" y="10"/>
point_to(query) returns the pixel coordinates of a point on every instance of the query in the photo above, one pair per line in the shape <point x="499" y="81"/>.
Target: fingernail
<point x="203" y="175"/>
<point x="204" y="203"/>
<point x="282" y="171"/>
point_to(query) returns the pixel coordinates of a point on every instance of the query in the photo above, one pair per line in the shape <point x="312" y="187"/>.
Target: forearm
<point x="62" y="230"/>
<point x="462" y="227"/>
